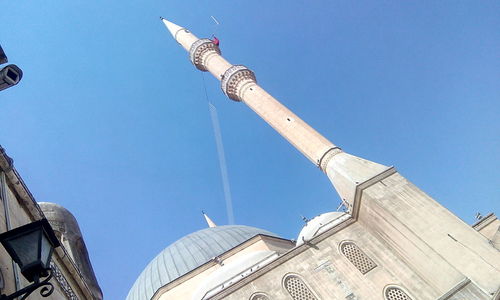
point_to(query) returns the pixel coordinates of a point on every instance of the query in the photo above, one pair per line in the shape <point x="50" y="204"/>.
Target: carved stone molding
<point x="63" y="282"/>
<point x="233" y="79"/>
<point x="199" y="50"/>
<point x="325" y="159"/>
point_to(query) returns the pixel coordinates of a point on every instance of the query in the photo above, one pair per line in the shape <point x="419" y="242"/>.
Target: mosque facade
<point x="392" y="241"/>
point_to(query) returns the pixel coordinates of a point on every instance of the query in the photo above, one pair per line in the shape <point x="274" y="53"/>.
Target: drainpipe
<point x="4" y="196"/>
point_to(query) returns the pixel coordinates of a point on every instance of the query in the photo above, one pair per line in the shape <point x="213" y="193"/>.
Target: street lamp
<point x="31" y="247"/>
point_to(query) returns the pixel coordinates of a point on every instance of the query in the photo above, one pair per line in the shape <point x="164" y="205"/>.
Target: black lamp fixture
<point x="31" y="247"/>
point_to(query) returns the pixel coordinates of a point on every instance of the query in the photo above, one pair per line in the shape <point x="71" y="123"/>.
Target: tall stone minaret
<point x="421" y="231"/>
<point x="239" y="84"/>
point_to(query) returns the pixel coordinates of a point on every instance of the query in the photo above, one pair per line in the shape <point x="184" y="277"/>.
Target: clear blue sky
<point x="110" y="119"/>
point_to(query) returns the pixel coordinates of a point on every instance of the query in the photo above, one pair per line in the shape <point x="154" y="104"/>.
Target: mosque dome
<point x="187" y="254"/>
<point x="320" y="224"/>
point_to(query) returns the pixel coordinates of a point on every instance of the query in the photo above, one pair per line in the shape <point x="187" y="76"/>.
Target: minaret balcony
<point x="234" y="78"/>
<point x="199" y="50"/>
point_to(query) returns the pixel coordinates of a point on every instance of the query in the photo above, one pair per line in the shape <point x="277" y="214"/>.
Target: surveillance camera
<point x="10" y="76"/>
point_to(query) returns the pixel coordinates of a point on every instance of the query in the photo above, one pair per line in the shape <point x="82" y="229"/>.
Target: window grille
<point x="297" y="289"/>
<point x="259" y="296"/>
<point x="357" y="257"/>
<point x="394" y="293"/>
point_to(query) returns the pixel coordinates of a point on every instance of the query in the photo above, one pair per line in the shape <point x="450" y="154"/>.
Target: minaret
<point x="384" y="203"/>
<point x="239" y="84"/>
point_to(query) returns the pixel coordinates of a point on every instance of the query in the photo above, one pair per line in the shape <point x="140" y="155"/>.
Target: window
<point x="297" y="289"/>
<point x="357" y="257"/>
<point x="395" y="293"/>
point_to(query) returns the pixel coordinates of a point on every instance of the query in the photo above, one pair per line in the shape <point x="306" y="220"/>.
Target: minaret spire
<point x="239" y="84"/>
<point x="173" y="28"/>
<point x="210" y="223"/>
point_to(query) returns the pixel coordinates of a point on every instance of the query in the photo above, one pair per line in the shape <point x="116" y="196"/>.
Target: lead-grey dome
<point x="187" y="254"/>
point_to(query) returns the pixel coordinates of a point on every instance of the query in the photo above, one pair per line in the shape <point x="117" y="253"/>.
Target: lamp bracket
<point x="45" y="291"/>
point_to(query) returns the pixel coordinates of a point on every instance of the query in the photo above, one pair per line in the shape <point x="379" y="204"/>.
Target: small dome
<point x="320" y="224"/>
<point x="187" y="254"/>
<point x="67" y="230"/>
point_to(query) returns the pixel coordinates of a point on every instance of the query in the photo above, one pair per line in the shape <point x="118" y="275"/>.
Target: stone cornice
<point x="25" y="198"/>
<point x="354" y="210"/>
<point x="460" y="285"/>
<point x="63" y="282"/>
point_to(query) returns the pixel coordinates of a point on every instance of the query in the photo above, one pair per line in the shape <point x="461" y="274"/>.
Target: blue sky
<point x="111" y="121"/>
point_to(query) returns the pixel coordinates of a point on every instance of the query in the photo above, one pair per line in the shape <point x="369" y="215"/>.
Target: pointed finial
<point x="173" y="28"/>
<point x="210" y="223"/>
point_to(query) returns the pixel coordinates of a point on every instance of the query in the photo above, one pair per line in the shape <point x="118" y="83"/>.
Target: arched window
<point x="395" y="293"/>
<point x="259" y="296"/>
<point x="297" y="289"/>
<point x="357" y="257"/>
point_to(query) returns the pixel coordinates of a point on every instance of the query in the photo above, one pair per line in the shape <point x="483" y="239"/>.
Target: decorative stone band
<point x="233" y="79"/>
<point x="63" y="282"/>
<point x="323" y="162"/>
<point x="198" y="51"/>
<point x="182" y="29"/>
